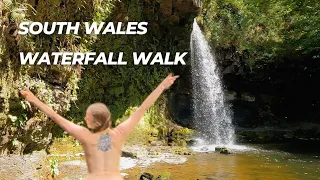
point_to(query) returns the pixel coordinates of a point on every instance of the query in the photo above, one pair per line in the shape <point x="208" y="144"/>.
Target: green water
<point x="265" y="164"/>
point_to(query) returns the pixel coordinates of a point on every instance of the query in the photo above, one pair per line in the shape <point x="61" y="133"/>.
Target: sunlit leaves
<point x="266" y="28"/>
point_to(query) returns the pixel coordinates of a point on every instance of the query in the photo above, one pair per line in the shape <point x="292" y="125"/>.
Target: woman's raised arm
<point x="74" y="130"/>
<point x="126" y="127"/>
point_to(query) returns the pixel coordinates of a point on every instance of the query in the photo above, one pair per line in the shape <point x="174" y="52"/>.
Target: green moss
<point x="181" y="136"/>
<point x="55" y="85"/>
<point x="165" y="175"/>
<point x="182" y="151"/>
<point x="154" y="129"/>
<point x="183" y="132"/>
<point x="147" y="130"/>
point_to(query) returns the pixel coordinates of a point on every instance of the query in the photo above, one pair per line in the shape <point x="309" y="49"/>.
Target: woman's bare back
<point x="103" y="151"/>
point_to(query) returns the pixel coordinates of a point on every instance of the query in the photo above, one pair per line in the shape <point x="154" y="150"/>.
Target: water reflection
<point x="262" y="164"/>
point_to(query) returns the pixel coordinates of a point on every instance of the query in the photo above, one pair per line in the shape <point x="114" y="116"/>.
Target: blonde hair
<point x="101" y="116"/>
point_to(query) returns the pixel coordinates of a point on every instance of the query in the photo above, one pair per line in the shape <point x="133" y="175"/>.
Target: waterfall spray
<point x="212" y="116"/>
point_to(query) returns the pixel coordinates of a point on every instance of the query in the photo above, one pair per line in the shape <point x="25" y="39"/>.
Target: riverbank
<point x="269" y="161"/>
<point x="64" y="159"/>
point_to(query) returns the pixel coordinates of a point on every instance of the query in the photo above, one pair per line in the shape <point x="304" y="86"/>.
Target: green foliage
<point x="76" y="143"/>
<point x="16" y="11"/>
<point x="141" y="133"/>
<point x="183" y="132"/>
<point x="21" y="120"/>
<point x="54" y="167"/>
<point x="120" y="87"/>
<point x="134" y="10"/>
<point x="164" y="176"/>
<point x="18" y="112"/>
<point x="148" y="127"/>
<point x="55" y="85"/>
<point x="103" y="9"/>
<point x="181" y="136"/>
<point x="126" y="115"/>
<point x="265" y="28"/>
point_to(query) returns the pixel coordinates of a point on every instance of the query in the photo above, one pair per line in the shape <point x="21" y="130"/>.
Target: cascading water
<point x="212" y="117"/>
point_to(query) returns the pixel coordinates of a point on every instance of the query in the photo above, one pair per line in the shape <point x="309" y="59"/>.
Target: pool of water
<point x="265" y="162"/>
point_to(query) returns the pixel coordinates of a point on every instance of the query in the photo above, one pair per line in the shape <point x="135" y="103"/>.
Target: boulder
<point x="146" y="176"/>
<point x="222" y="150"/>
<point x="129" y="154"/>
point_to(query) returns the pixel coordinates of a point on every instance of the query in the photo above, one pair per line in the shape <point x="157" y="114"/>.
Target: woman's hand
<point x="28" y="95"/>
<point x="168" y="81"/>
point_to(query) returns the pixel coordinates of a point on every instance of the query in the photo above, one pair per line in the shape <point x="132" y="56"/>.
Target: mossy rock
<point x="154" y="132"/>
<point x="146" y="176"/>
<point x="180" y="131"/>
<point x="180" y="136"/>
<point x="164" y="176"/>
<point x="183" y="151"/>
<point x="163" y="131"/>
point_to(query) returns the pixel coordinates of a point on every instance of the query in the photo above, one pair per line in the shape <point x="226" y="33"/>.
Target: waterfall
<point x="212" y="116"/>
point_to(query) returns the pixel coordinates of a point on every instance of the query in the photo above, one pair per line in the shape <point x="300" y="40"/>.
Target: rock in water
<point x="129" y="154"/>
<point x="225" y="151"/>
<point x="204" y="149"/>
<point x="146" y="176"/>
<point x="218" y="148"/>
<point x="222" y="150"/>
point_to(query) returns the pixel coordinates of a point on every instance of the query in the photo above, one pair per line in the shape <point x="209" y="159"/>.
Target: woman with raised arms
<point x="102" y="145"/>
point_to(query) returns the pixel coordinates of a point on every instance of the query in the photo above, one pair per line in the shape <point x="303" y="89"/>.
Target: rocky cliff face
<point x="22" y="127"/>
<point x="275" y="93"/>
